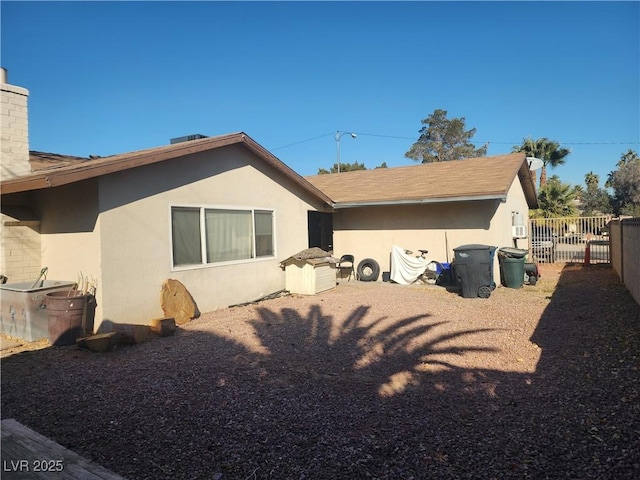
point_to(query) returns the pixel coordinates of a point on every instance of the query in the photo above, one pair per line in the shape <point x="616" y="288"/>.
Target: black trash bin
<point x="511" y="266"/>
<point x="474" y="270"/>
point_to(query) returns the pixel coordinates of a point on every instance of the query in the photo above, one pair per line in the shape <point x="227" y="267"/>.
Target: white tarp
<point x="406" y="269"/>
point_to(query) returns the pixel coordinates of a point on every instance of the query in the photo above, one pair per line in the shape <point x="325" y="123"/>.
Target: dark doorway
<point x="320" y="230"/>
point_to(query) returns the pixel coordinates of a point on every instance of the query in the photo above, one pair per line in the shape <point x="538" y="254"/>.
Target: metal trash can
<point x="474" y="270"/>
<point x="67" y="314"/>
<point x="511" y="262"/>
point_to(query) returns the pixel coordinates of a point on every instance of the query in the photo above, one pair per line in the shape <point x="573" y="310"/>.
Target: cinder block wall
<point x="19" y="242"/>
<point x="20" y="259"/>
<point x="14" y="129"/>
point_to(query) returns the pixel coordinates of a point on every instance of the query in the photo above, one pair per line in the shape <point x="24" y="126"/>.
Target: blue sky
<point x="112" y="77"/>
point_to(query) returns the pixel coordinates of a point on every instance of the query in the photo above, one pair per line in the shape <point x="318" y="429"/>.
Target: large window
<point x="214" y="235"/>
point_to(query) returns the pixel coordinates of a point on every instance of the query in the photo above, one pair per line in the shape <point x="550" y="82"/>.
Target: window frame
<point x="203" y="235"/>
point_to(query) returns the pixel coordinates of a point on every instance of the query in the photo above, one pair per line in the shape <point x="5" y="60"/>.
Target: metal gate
<point x="570" y="239"/>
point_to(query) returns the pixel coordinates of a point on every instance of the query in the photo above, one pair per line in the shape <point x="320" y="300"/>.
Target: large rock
<point x="177" y="302"/>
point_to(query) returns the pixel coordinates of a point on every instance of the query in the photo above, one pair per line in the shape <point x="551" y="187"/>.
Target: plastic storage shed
<point x="474" y="270"/>
<point x="310" y="271"/>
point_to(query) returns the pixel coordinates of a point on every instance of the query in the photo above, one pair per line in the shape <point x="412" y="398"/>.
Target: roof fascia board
<point x="422" y="201"/>
<point x="524" y="174"/>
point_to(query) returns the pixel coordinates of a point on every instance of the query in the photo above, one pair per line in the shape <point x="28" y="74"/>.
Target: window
<point x="215" y="235"/>
<point x="264" y="233"/>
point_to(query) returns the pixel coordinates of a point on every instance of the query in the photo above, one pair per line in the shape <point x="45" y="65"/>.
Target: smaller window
<point x="263" y="220"/>
<point x="185" y="232"/>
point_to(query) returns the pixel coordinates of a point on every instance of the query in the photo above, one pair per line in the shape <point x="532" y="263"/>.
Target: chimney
<point x="14" y="155"/>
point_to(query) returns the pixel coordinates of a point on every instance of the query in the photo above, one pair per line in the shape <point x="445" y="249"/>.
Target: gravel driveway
<point x="370" y="380"/>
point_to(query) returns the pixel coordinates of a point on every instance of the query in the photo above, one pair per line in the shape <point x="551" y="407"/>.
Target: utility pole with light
<point x="337" y="138"/>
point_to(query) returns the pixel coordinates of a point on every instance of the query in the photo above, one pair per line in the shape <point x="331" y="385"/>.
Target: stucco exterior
<point x="369" y="232"/>
<point x="116" y="228"/>
<point x="110" y="219"/>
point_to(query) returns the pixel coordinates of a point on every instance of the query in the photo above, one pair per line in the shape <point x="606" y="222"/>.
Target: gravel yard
<point x="369" y="380"/>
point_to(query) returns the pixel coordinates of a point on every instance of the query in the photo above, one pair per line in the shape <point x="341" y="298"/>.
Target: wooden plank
<point x="27" y="455"/>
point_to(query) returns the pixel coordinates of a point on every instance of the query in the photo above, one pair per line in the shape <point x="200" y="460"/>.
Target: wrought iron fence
<point x="570" y="239"/>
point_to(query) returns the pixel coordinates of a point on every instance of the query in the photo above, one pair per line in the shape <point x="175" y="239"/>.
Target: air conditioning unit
<point x="519" y="231"/>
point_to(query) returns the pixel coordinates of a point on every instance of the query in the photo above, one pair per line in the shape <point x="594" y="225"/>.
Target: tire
<point x="484" y="291"/>
<point x="368" y="270"/>
<point x="533" y="280"/>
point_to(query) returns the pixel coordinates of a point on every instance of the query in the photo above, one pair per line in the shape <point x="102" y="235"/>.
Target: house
<point x="218" y="214"/>
<point x="435" y="207"/>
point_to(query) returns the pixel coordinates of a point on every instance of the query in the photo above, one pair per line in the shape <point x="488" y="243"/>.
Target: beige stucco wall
<point x="136" y="236"/>
<point x="369" y="232"/>
<point x="70" y="234"/>
<point x="503" y="220"/>
<point x="116" y="229"/>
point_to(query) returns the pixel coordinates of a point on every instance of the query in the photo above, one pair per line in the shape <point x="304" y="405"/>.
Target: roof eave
<point x="94" y="168"/>
<point x="419" y="201"/>
<point x="529" y="187"/>
<point x="75" y="173"/>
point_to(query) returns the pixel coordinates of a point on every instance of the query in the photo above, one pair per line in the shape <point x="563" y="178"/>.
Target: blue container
<point x="441" y="267"/>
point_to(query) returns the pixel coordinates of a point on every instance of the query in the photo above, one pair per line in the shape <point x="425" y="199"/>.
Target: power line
<point x="399" y="137"/>
<point x="508" y="143"/>
<point x="303" y="141"/>
<point x="574" y="143"/>
<point x="384" y="136"/>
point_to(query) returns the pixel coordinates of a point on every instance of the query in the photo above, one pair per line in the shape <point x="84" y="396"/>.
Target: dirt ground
<point x="368" y="380"/>
<point x="11" y="345"/>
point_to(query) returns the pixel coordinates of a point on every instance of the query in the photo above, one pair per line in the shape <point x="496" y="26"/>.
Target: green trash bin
<point x="512" y="267"/>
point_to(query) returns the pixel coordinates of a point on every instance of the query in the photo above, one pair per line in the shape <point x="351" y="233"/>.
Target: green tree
<point x="549" y="151"/>
<point x="344" y="167"/>
<point x="591" y="179"/>
<point x="627" y="157"/>
<point x="442" y="139"/>
<point x="556" y="199"/>
<point x="625" y="182"/>
<point x="595" y="200"/>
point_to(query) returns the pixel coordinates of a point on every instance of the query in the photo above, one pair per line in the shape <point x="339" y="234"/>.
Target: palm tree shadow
<point x="380" y="355"/>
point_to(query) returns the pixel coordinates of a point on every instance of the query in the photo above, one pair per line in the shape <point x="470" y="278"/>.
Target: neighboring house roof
<point x="45" y="161"/>
<point x="52" y="170"/>
<point x="481" y="178"/>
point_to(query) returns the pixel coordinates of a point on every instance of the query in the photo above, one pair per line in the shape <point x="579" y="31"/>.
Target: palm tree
<point x="556" y="199"/>
<point x="546" y="150"/>
<point x="592" y="179"/>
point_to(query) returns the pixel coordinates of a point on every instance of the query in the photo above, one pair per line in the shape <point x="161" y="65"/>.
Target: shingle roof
<point x="469" y="179"/>
<point x="45" y="161"/>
